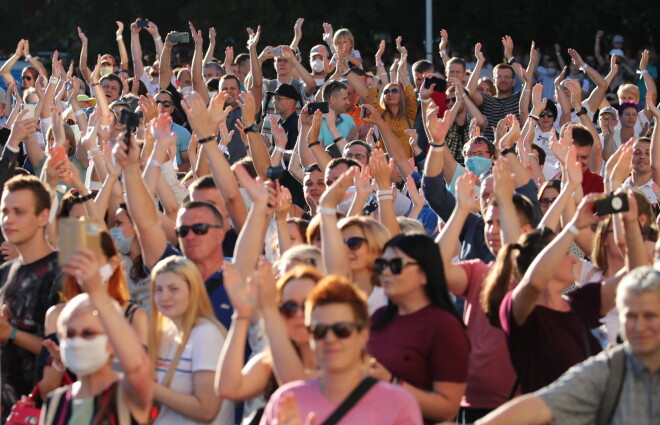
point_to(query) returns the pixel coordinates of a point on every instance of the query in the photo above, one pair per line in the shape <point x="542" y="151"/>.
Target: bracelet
<point x="310" y="145"/>
<point x="439" y="145"/>
<point x="384" y="192"/>
<point x="234" y="317"/>
<point x="12" y="334"/>
<point x="87" y="197"/>
<point x="527" y="90"/>
<point x="327" y="211"/>
<point x="509" y="150"/>
<point x="207" y="139"/>
<point x="337" y="139"/>
<point x="28" y="57"/>
<point x="105" y="306"/>
<point x="93" y="151"/>
<point x="153" y="162"/>
<point x="443" y="52"/>
<point x="119" y="37"/>
<point x="94" y="84"/>
<point x="79" y="113"/>
<point x="437" y="149"/>
<point x="53" y="80"/>
<point x="382" y="198"/>
<point x="584" y="66"/>
<point x="643" y="71"/>
<point x="157" y="38"/>
<point x="574" y="230"/>
<point x="223" y="149"/>
<point x="534" y="117"/>
<point x="425" y="100"/>
<point x="60" y="369"/>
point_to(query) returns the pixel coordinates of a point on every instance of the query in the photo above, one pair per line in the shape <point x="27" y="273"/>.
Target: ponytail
<point x="497" y="283"/>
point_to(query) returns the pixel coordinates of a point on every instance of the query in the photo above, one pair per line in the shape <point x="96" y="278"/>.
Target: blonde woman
<point x="185" y="341"/>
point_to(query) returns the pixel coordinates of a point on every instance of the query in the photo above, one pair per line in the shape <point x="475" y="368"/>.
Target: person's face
<point x="83" y="324"/>
<point x="628" y="96"/>
<point x="339" y="101"/>
<point x="583" y="155"/>
<point x="294" y="234"/>
<point x="233" y="90"/>
<point x="243" y="69"/>
<point x="295" y="292"/>
<point x="164" y="104"/>
<point x="547" y="198"/>
<point x="171" y="295"/>
<point x="392" y="94"/>
<point x="332" y="174"/>
<point x="358" y="153"/>
<point x="185" y="80"/>
<point x="641" y="159"/>
<point x="28" y="78"/>
<point x="352" y="98"/>
<point x="456" y="70"/>
<point x="314" y="185"/>
<point x="419" y="80"/>
<point x="546" y="119"/>
<point x="566" y="272"/>
<point x="409" y="283"/>
<point x="504" y="80"/>
<point x="199" y="248"/>
<point x="492" y="229"/>
<point x="210" y="72"/>
<point x="606" y="120"/>
<point x="478" y="149"/>
<point x="122" y="220"/>
<point x="20" y="223"/>
<point x="486" y="193"/>
<point x="484" y="87"/>
<point x="640" y="317"/>
<point x="628" y="118"/>
<point x="111" y="89"/>
<point x="450" y="101"/>
<point x="108" y="60"/>
<point x="284" y="105"/>
<point x="282" y="66"/>
<point x="214" y="197"/>
<point x="334" y="354"/>
<point x="78" y="210"/>
<point x="116" y="110"/>
<point x="343" y="44"/>
<point x="359" y="255"/>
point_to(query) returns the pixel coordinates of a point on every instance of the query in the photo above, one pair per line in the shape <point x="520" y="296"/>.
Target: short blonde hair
<point x="344" y="33"/>
<point x="628" y="88"/>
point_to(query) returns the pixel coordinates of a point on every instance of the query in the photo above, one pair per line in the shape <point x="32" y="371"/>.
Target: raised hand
<point x="335" y="194"/>
<point x="242" y="292"/>
<point x="478" y="53"/>
<point x="20" y="48"/>
<point x="466" y="199"/>
<point x="438" y="127"/>
<point x="82" y="35"/>
<point x="153" y="29"/>
<point x="148" y="107"/>
<point x="160" y="128"/>
<point x="297" y="28"/>
<point x="573" y="167"/>
<point x="503" y="181"/>
<point x="416" y="195"/>
<point x="585" y="216"/>
<point x="399" y="47"/>
<point x="380" y="52"/>
<point x="561" y="76"/>
<point x="253" y="37"/>
<point x="84" y="268"/>
<point x="217" y="110"/>
<point x="538" y="102"/>
<point x="120" y="28"/>
<point x="196" y="35"/>
<point x="576" y="58"/>
<point x="328" y="33"/>
<point x="644" y="62"/>
<point x="507" y="43"/>
<point x="444" y="40"/>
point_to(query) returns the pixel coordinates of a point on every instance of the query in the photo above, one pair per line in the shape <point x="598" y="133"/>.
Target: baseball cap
<point x="617" y="52"/>
<point x="316" y="50"/>
<point x="85" y="98"/>
<point x="286" y="90"/>
<point x="608" y="110"/>
<point x="617" y="39"/>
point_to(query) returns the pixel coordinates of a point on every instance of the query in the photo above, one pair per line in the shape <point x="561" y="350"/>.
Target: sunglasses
<point x="546" y="201"/>
<point x="165" y="103"/>
<point x="27" y="77"/>
<point x="450" y="100"/>
<point x="290" y="308"/>
<point x="355" y="156"/>
<point x="354" y="243"/>
<point x="392" y="90"/>
<point x="197" y="228"/>
<point x="546" y="114"/>
<point x="341" y="330"/>
<point x="395" y="265"/>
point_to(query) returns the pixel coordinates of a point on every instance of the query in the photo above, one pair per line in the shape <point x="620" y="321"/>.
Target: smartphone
<point x="142" y="23"/>
<point x="31" y="108"/>
<point x="276" y="51"/>
<point x="612" y="204"/>
<point x="57" y="153"/>
<point x="440" y="84"/>
<point x="274" y="173"/>
<point x="74" y="233"/>
<point x="321" y="106"/>
<point x="180" y="37"/>
<point x="363" y="112"/>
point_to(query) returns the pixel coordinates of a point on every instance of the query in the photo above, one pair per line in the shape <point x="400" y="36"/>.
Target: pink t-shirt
<point x="490" y="374"/>
<point x="383" y="404"/>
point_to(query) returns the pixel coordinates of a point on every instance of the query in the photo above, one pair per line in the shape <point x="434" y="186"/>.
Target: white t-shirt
<point x="551" y="166"/>
<point x="201" y="354"/>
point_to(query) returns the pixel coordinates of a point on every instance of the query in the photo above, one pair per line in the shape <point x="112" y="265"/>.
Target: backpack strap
<point x="351" y="400"/>
<point x="123" y="414"/>
<point x="616" y="360"/>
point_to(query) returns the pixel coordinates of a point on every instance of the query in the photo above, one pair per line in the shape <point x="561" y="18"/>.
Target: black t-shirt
<point x="28" y="290"/>
<point x="290" y="126"/>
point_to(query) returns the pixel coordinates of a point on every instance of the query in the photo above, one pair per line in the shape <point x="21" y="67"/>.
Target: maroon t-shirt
<point x="592" y="183"/>
<point x="420" y="348"/>
<point x="550" y="341"/>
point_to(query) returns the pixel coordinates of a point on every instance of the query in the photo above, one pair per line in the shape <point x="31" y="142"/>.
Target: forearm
<point x="84" y="69"/>
<point x="387" y="214"/>
<point x="287" y="364"/>
<point x="635" y="252"/>
<point x="257" y="79"/>
<point x="123" y="54"/>
<point x="190" y="406"/>
<point x="435" y="406"/>
<point x="208" y="57"/>
<point x="6" y="68"/>
<point x="525" y="97"/>
<point x="165" y="74"/>
<point x="321" y="157"/>
<point x="509" y="222"/>
<point x="520" y="173"/>
<point x="304" y="152"/>
<point x="554" y="213"/>
<point x="448" y="240"/>
<point x="136" y="53"/>
<point x="333" y="249"/>
<point x="474" y="79"/>
<point x="28" y="341"/>
<point x="196" y="71"/>
<point x="251" y="239"/>
<point x="102" y="199"/>
<point x="528" y="409"/>
<point x="358" y="204"/>
<point x="260" y="155"/>
<point x="596" y="159"/>
<point x="598" y="94"/>
<point x="41" y="69"/>
<point x="226" y="183"/>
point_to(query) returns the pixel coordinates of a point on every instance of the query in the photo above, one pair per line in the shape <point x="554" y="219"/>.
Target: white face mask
<point x="105" y="70"/>
<point x="106" y="273"/>
<point x="317" y="65"/>
<point x="84" y="356"/>
<point x="186" y="90"/>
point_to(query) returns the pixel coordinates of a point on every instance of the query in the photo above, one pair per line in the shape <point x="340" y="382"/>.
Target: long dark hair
<point x="425" y="251"/>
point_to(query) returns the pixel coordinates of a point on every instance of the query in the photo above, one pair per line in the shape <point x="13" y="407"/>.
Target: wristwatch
<point x="581" y="111"/>
<point x="512" y="60"/>
<point x="252" y="128"/>
<point x="505" y="151"/>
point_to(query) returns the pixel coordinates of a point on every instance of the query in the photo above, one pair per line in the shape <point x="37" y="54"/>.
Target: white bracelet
<point x="384" y="192"/>
<point x="283" y="150"/>
<point x="574" y="230"/>
<point x="28" y="57"/>
<point x="79" y="113"/>
<point x="385" y="198"/>
<point x="327" y="211"/>
<point x="155" y="163"/>
<point x="425" y="100"/>
<point x="644" y="71"/>
<point x="54" y="80"/>
<point x="58" y="368"/>
<point x="157" y="38"/>
<point x="119" y="37"/>
<point x="443" y="52"/>
<point x="527" y="90"/>
<point x="93" y="151"/>
<point x="223" y="148"/>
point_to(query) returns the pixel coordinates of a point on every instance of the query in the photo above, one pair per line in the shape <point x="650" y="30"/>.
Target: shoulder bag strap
<point x="351" y="400"/>
<point x="616" y="360"/>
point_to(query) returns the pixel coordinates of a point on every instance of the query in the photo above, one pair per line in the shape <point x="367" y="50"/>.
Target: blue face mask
<point x="123" y="243"/>
<point x="478" y="165"/>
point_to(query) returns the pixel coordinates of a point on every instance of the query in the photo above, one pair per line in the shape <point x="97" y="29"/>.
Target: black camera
<point x="131" y="120"/>
<point x="274" y="173"/>
<point x="612" y="204"/>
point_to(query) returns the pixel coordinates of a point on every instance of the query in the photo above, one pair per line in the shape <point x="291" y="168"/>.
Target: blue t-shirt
<point x="344" y="124"/>
<point x="182" y="141"/>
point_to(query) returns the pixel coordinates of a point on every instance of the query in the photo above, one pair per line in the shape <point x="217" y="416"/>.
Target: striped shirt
<point x="495" y="109"/>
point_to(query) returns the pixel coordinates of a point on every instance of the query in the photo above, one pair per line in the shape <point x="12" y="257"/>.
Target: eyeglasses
<point x="546" y="114"/>
<point x="450" y="100"/>
<point x="393" y="90"/>
<point x="546" y="202"/>
<point x="354" y="243"/>
<point x="355" y="155"/>
<point x="470" y="154"/>
<point x="503" y="77"/>
<point x="27" y="77"/>
<point x="396" y="265"/>
<point x="197" y="228"/>
<point x="165" y="103"/>
<point x="290" y="308"/>
<point x="341" y="330"/>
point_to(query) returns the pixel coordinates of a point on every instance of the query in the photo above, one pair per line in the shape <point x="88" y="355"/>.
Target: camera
<point x="612" y="204"/>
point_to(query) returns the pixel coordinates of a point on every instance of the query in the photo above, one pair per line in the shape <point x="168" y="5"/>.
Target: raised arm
<point x="210" y="51"/>
<point x="573" y="170"/>
<point x="655" y="139"/>
<point x="84" y="69"/>
<point x="381" y="72"/>
<point x="136" y="50"/>
<point x="596" y="160"/>
<point x="442" y="47"/>
<point x="5" y="70"/>
<point x="123" y="53"/>
<point x="196" y="69"/>
<point x="308" y="79"/>
<point x="503" y="188"/>
<point x="152" y="28"/>
<point x="165" y="72"/>
<point x="256" y="76"/>
<point x="392" y="143"/>
<point x="598" y="94"/>
<point x="597" y="54"/>
<point x="258" y="149"/>
<point x="650" y="85"/>
<point x="476" y="97"/>
<point x="297" y="33"/>
<point x="382" y="172"/>
<point x="320" y="155"/>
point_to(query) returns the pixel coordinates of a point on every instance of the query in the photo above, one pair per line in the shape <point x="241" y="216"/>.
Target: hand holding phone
<point x="180" y="37"/>
<point x="143" y="23"/>
<point x="324" y="107"/>
<point x="440" y="84"/>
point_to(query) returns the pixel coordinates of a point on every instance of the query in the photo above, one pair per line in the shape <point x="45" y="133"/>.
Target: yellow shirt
<point x="405" y="120"/>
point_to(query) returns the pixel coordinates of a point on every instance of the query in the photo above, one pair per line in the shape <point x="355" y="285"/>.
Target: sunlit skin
<point x="332" y="174"/>
<point x="171" y="296"/>
<point x="233" y="90"/>
<point x="583" y="155"/>
<point x="547" y="198"/>
<point x="393" y="97"/>
<point x="456" y="70"/>
<point x="358" y="153"/>
<point x="20" y="223"/>
<point x="640" y="319"/>
<point x="504" y="81"/>
<point x="200" y="248"/>
<point x="628" y="118"/>
<point x="314" y="185"/>
<point x="641" y="159"/>
<point x="339" y="101"/>
<point x="111" y="89"/>
<point x="297" y="290"/>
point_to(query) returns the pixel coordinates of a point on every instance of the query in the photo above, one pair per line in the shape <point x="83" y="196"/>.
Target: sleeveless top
<point x="109" y="407"/>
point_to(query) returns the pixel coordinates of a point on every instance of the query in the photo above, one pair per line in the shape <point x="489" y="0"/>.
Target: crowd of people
<point x="193" y="243"/>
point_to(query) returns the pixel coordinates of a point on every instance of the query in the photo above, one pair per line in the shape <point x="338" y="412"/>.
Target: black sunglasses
<point x="165" y="103"/>
<point x="450" y="100"/>
<point x="197" y="228"/>
<point x="290" y="308"/>
<point x="396" y="265"/>
<point x="546" y="114"/>
<point x="393" y="91"/>
<point x="341" y="330"/>
<point x="354" y="243"/>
